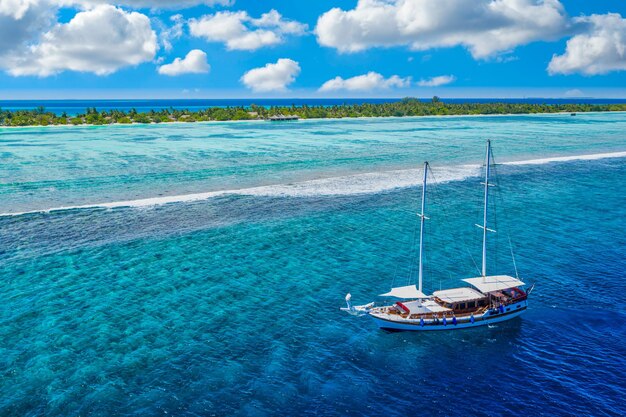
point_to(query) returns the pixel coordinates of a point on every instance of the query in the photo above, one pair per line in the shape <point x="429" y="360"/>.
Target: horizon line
<point x="317" y="98"/>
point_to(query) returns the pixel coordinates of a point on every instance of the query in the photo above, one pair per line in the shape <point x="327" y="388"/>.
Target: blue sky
<point x="322" y="48"/>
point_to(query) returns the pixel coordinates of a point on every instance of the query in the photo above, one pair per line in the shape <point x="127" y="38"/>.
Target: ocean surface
<point x="198" y="270"/>
<point x="72" y="107"/>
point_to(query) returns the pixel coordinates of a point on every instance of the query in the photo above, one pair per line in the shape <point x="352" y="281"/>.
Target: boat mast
<point x="486" y="207"/>
<point x="422" y="218"/>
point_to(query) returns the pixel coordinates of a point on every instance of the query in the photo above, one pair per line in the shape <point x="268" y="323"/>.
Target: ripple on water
<point x="230" y="305"/>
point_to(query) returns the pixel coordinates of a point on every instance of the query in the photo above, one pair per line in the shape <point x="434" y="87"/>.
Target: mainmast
<point x="422" y="218"/>
<point x="486" y="208"/>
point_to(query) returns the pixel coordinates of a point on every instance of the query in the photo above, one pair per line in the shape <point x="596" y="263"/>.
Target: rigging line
<point x="429" y="229"/>
<point x="497" y="198"/>
<point x="380" y="226"/>
<point x="395" y="275"/>
<point x="415" y="254"/>
<point x="495" y="211"/>
<point x="412" y="255"/>
<point x="500" y="197"/>
<point x="513" y="256"/>
<point x="475" y="238"/>
<point x="446" y="217"/>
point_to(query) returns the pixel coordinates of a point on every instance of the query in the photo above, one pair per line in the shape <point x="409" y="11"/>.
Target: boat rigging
<point x="488" y="299"/>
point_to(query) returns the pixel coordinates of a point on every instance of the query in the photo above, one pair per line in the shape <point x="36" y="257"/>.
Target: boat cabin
<point x="461" y="300"/>
<point x="487" y="292"/>
<point x="497" y="289"/>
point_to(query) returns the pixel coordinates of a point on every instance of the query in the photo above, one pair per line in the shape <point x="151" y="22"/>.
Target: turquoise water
<point x="229" y="305"/>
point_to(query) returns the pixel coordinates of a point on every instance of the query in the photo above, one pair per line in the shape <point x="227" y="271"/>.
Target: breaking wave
<point x="589" y="157"/>
<point x="365" y="183"/>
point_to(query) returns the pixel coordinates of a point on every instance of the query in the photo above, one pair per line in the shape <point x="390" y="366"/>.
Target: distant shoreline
<point x="205" y="122"/>
<point x="408" y="107"/>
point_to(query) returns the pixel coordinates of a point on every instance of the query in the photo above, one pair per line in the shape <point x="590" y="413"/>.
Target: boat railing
<point x="447" y="314"/>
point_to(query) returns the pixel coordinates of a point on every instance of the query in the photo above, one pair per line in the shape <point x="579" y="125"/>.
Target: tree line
<point x="405" y="107"/>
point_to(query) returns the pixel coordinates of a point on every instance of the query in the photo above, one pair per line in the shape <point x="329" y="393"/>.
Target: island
<point x="405" y="107"/>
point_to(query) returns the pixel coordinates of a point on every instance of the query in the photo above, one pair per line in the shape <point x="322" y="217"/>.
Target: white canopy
<point x="494" y="283"/>
<point x="425" y="307"/>
<point x="409" y="291"/>
<point x="434" y="307"/>
<point x="456" y="295"/>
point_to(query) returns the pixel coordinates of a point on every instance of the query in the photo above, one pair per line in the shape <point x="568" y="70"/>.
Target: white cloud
<point x="366" y="82"/>
<point x="194" y="63"/>
<point x="485" y="27"/>
<point x="21" y="21"/>
<point x="272" y="77"/>
<point x="17" y="8"/>
<point x="436" y="81"/>
<point x="239" y="31"/>
<point x="168" y="34"/>
<point x="101" y="40"/>
<point x="599" y="50"/>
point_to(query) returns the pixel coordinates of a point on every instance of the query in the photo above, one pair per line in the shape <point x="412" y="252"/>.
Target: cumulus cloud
<point x="366" y="82"/>
<point x="194" y="63"/>
<point x="21" y="21"/>
<point x="599" y="50"/>
<point x="484" y="27"/>
<point x="239" y="31"/>
<point x="272" y="77"/>
<point x="100" y="40"/>
<point x="17" y="8"/>
<point x="436" y="81"/>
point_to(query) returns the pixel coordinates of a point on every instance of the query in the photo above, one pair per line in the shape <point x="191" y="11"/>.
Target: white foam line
<point x="589" y="157"/>
<point x="144" y="202"/>
<point x="367" y="183"/>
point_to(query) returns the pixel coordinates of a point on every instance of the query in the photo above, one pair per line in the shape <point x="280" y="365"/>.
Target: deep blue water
<point x="72" y="107"/>
<point x="229" y="305"/>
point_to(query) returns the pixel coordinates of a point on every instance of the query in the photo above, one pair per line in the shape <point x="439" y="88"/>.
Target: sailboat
<point x="487" y="299"/>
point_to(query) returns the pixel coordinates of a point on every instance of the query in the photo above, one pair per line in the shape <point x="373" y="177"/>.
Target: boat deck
<point x="493" y="300"/>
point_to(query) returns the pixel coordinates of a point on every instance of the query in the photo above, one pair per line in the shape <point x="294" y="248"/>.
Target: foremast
<point x="486" y="208"/>
<point x="422" y="217"/>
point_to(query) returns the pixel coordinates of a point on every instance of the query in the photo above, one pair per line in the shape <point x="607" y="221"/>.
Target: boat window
<point x="462" y="306"/>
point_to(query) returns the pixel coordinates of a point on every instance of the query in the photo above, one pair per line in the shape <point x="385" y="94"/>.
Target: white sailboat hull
<point x="397" y="323"/>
